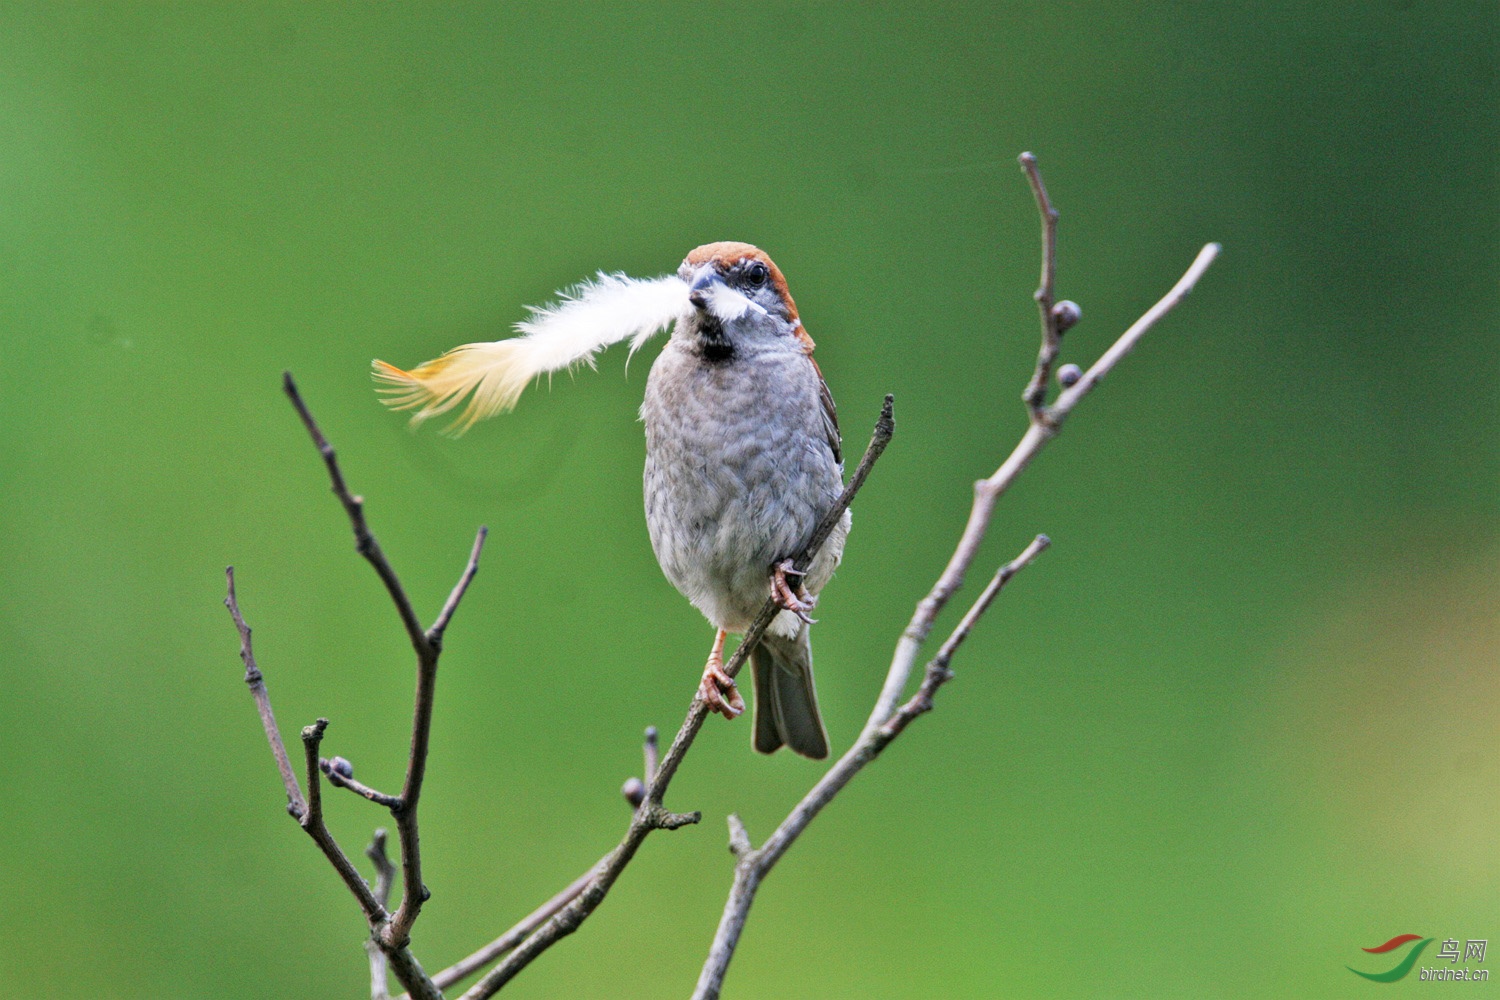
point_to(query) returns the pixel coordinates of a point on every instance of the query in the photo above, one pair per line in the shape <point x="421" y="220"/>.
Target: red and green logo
<point x="1402" y="967"/>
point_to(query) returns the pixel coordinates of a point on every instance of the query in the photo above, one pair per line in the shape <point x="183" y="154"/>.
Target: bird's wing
<point x="830" y="412"/>
<point x="830" y="415"/>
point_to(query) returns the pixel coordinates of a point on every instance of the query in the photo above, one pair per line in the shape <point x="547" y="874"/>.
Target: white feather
<point x="601" y="312"/>
<point x="730" y="304"/>
<point x="587" y="318"/>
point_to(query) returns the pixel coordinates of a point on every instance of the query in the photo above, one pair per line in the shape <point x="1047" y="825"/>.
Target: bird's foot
<point x="718" y="690"/>
<point x="798" y="602"/>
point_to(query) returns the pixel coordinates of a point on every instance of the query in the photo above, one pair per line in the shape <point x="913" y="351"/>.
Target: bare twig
<point x="634" y="789"/>
<point x="463" y="969"/>
<point x="354" y="506"/>
<point x="739" y="837"/>
<point x="415" y="891"/>
<point x="341" y="780"/>
<point x="389" y="933"/>
<point x="295" y="804"/>
<point x="309" y="811"/>
<point x="312" y="822"/>
<point x="1036" y="390"/>
<point x="309" y="815"/>
<point x="753" y="864"/>
<point x="651" y="815"/>
<point x="890" y="716"/>
<point x="428" y="646"/>
<point x="1070" y="397"/>
<point x="988" y="491"/>
<point x="938" y="672"/>
<point x="435" y="634"/>
<point x="385" y="874"/>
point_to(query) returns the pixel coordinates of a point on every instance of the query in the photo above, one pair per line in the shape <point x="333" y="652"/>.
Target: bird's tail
<point x="786" y="706"/>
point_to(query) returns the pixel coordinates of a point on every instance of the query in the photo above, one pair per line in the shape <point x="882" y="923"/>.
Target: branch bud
<point x="1068" y="376"/>
<point x="341" y="767"/>
<point x="1066" y="315"/>
<point x="634" y="791"/>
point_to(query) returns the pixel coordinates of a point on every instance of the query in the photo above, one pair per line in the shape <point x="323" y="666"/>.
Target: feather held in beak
<point x="587" y="318"/>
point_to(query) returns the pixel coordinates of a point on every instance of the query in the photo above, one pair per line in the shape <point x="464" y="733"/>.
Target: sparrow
<point x="743" y="454"/>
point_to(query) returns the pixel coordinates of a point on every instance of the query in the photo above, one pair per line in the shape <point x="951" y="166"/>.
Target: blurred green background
<point x="1238" y="724"/>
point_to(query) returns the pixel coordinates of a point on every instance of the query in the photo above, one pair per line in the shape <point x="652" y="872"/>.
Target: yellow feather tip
<point x="496" y="374"/>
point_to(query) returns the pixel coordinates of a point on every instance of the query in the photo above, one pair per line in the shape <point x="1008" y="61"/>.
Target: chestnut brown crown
<point x="726" y="254"/>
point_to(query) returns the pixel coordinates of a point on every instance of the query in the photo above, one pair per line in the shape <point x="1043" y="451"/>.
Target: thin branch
<point x="390" y="934"/>
<point x="1035" y="393"/>
<point x="415" y="892"/>
<point x="380" y="984"/>
<point x="399" y="958"/>
<point x="428" y="646"/>
<point x="651" y="815"/>
<point x="890" y="716"/>
<point x="341" y="780"/>
<point x="1132" y="336"/>
<point x="409" y="971"/>
<point x="885" y="429"/>
<point x="739" y="837"/>
<point x="634" y="789"/>
<point x="295" y="804"/>
<point x="463" y="969"/>
<point x="309" y="812"/>
<point x="354" y="506"/>
<point x="312" y="822"/>
<point x="435" y="634"/>
<point x="753" y="864"/>
<point x="938" y="673"/>
<point x="988" y="491"/>
<point x="385" y="874"/>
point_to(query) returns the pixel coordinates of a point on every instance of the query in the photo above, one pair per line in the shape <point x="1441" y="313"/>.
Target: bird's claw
<point x="798" y="602"/>
<point x="719" y="692"/>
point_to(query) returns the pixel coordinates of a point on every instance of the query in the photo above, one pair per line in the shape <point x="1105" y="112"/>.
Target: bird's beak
<point x="700" y="289"/>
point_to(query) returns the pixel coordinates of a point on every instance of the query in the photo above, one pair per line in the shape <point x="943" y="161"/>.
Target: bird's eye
<point x="756" y="274"/>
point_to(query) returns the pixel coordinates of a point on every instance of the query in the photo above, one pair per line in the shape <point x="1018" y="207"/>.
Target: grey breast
<point x="738" y="472"/>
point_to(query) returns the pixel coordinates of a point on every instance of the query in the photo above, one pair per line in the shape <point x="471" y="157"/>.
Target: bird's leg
<point x="718" y="688"/>
<point x="798" y="602"/>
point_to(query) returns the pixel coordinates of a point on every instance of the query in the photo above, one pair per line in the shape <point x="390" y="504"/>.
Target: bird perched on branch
<point x="742" y="451"/>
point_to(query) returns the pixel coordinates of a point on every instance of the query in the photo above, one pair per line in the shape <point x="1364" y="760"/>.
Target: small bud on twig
<point x="634" y="791"/>
<point x="341" y="767"/>
<point x="1066" y="315"/>
<point x="1068" y="375"/>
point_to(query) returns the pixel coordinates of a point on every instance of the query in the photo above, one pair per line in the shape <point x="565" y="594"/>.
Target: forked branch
<point x="891" y="716"/>
<point x="390" y="933"/>
<point x="428" y="646"/>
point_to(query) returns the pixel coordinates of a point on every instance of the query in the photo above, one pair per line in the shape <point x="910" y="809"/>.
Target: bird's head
<point x="740" y="303"/>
